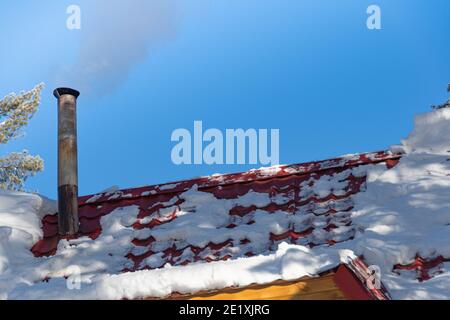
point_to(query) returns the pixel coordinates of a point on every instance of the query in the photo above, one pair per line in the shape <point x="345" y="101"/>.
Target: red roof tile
<point x="160" y="205"/>
<point x="424" y="269"/>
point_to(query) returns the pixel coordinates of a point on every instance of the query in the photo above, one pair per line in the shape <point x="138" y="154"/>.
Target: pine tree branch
<point x="16" y="168"/>
<point x="18" y="110"/>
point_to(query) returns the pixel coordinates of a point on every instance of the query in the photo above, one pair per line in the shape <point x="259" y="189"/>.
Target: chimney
<point x="68" y="223"/>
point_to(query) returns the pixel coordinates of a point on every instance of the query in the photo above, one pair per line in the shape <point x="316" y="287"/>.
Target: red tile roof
<point x="295" y="184"/>
<point x="424" y="269"/>
<point x="160" y="205"/>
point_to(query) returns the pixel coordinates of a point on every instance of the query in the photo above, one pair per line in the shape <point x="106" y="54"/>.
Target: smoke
<point x="116" y="35"/>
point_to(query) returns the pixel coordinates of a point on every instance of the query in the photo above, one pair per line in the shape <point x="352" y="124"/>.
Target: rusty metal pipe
<point x="68" y="222"/>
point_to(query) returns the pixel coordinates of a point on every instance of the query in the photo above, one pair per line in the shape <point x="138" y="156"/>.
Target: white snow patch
<point x="405" y="212"/>
<point x="20" y="229"/>
<point x="169" y="186"/>
<point x="431" y="133"/>
<point x="148" y="193"/>
<point x="289" y="262"/>
<point x="111" y="189"/>
<point x="94" y="198"/>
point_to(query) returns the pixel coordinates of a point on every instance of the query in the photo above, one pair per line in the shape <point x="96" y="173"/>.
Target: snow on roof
<point x="235" y="230"/>
<point x="430" y="134"/>
<point x="255" y="227"/>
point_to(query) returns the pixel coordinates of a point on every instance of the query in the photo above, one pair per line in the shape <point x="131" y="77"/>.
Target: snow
<point x="169" y="186"/>
<point x="20" y="228"/>
<point x="98" y="264"/>
<point x="148" y="193"/>
<point x="111" y="189"/>
<point x="289" y="262"/>
<point x="94" y="198"/>
<point x="404" y="212"/>
<point x="431" y="133"/>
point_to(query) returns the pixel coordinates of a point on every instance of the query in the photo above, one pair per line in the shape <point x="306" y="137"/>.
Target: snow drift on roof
<point x="431" y="133"/>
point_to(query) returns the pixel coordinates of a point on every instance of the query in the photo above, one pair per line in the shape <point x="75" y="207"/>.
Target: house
<point x="306" y="204"/>
<point x="235" y="217"/>
<point x="363" y="226"/>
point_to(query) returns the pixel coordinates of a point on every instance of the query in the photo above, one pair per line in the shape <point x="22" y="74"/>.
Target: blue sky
<point x="309" y="68"/>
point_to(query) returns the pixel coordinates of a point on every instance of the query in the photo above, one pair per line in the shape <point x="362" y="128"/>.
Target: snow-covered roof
<point x="284" y="222"/>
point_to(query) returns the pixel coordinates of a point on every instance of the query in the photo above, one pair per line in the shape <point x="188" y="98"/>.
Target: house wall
<point x="320" y="288"/>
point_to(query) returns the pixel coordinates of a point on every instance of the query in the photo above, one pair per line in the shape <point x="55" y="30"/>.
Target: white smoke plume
<point x="116" y="35"/>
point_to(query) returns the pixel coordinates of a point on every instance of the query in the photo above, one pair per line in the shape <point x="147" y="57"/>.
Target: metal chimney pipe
<point x="68" y="223"/>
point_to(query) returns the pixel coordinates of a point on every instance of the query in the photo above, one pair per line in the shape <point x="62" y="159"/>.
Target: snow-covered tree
<point x="15" y="112"/>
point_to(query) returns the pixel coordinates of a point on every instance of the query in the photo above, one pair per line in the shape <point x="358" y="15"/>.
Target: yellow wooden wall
<point x="321" y="288"/>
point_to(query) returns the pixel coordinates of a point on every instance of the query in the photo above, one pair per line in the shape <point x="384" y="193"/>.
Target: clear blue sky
<point x="310" y="68"/>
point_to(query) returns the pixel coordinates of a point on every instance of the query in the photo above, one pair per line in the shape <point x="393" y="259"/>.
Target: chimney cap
<point x="62" y="91"/>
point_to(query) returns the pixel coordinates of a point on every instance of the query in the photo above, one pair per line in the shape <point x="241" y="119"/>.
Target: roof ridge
<point x="260" y="174"/>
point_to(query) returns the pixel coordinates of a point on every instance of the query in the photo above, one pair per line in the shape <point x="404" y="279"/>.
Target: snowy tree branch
<point x="17" y="110"/>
